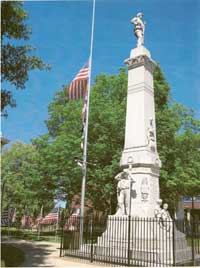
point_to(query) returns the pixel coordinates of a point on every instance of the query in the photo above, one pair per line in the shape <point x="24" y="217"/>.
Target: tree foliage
<point x="106" y="139"/>
<point x="21" y="182"/>
<point x="175" y="124"/>
<point x="177" y="129"/>
<point x="17" y="58"/>
<point x="178" y="137"/>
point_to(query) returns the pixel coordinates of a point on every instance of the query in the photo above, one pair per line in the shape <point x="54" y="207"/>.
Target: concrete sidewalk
<point x="46" y="254"/>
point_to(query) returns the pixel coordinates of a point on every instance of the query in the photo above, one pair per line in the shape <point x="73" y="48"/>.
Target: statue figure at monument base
<point x="122" y="193"/>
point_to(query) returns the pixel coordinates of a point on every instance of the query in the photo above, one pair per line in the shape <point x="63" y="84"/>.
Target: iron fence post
<point x="192" y="242"/>
<point x="173" y="241"/>
<point x="61" y="240"/>
<point x="91" y="238"/>
<point x="129" y="236"/>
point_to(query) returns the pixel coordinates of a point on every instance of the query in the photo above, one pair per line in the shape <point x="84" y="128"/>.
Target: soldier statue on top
<point x="139" y="28"/>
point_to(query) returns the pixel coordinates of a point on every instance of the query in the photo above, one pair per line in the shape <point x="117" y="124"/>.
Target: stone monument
<point x="140" y="149"/>
<point x="138" y="184"/>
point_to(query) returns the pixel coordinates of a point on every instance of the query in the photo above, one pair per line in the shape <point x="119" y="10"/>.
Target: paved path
<point x="45" y="254"/>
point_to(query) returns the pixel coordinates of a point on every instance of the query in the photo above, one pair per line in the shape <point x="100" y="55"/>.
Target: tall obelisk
<point x="149" y="241"/>
<point x="140" y="148"/>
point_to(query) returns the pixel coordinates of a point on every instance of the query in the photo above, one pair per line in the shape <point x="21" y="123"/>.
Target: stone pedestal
<point x="140" y="112"/>
<point x="147" y="242"/>
<point x="140" y="134"/>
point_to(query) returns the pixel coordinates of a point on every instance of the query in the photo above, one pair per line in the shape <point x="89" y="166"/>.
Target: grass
<point x="11" y="256"/>
<point x="30" y="235"/>
<point x="196" y="241"/>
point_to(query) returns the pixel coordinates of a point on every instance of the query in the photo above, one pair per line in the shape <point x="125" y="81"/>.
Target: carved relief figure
<point x="145" y="189"/>
<point x="165" y="213"/>
<point x="139" y="28"/>
<point x="158" y="210"/>
<point x="151" y="136"/>
<point x="122" y="193"/>
<point x="162" y="215"/>
<point x="166" y="218"/>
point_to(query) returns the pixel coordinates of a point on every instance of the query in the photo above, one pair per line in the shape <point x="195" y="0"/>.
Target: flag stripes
<point x="51" y="217"/>
<point x="78" y="87"/>
<point x="78" y="90"/>
<point x="7" y="217"/>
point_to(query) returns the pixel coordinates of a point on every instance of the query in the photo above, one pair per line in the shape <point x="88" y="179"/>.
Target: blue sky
<point x="61" y="32"/>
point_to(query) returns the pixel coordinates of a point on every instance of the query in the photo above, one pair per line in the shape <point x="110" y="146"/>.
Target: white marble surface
<point x="140" y="134"/>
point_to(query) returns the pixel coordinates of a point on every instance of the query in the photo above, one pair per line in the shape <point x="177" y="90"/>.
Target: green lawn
<point x="11" y="256"/>
<point x="196" y="242"/>
<point x="30" y="235"/>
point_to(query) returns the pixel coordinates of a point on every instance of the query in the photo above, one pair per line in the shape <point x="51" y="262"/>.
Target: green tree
<point x="58" y="149"/>
<point x="177" y="131"/>
<point x="175" y="125"/>
<point x="106" y="138"/>
<point x="22" y="184"/>
<point x="17" y="60"/>
<point x="106" y="130"/>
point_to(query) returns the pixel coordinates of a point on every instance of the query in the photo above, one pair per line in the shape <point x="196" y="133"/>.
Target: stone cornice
<point x="139" y="61"/>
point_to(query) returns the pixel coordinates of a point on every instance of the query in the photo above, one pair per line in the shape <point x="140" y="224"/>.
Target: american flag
<point x="52" y="217"/>
<point x="5" y="218"/>
<point x="78" y="90"/>
<point x="78" y="87"/>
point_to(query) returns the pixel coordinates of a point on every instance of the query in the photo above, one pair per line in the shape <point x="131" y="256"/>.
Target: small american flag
<point x="5" y="218"/>
<point x="78" y="87"/>
<point x="52" y="217"/>
<point x="8" y="216"/>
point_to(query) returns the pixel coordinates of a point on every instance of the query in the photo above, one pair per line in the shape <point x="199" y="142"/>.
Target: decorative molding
<point x="141" y="87"/>
<point x="139" y="61"/>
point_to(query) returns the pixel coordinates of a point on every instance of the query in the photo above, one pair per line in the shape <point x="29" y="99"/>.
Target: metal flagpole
<point x="84" y="167"/>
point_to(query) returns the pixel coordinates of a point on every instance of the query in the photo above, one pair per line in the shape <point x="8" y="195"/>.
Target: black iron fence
<point x="128" y="241"/>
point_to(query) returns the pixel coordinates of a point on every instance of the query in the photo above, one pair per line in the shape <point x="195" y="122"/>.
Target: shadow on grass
<point x="34" y="255"/>
<point x="11" y="256"/>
